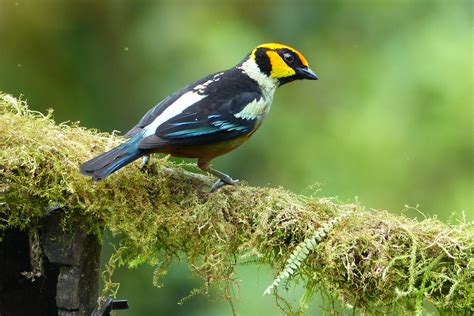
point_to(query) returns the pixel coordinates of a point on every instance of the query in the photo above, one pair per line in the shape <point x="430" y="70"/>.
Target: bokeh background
<point x="389" y="123"/>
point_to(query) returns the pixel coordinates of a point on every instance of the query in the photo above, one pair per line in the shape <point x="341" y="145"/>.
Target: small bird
<point x="210" y="116"/>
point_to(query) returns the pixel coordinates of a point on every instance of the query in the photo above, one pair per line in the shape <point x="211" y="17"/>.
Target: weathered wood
<point x="20" y="295"/>
<point x="67" y="281"/>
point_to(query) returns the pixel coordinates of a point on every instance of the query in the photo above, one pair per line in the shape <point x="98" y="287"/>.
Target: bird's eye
<point x="288" y="57"/>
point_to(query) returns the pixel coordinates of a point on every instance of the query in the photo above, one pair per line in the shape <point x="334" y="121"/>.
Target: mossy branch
<point x="372" y="260"/>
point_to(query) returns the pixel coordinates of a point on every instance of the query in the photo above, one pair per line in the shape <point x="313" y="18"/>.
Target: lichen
<point x="372" y="260"/>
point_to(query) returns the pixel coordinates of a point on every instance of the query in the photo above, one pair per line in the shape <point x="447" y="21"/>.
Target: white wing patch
<point x="177" y="107"/>
<point x="202" y="87"/>
<point x="255" y="109"/>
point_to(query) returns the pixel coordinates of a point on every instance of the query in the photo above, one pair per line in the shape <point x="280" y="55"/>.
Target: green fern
<point x="302" y="251"/>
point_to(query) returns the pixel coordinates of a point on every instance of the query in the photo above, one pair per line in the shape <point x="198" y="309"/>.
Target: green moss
<point x="372" y="260"/>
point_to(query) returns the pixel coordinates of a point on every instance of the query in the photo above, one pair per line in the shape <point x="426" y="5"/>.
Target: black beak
<point x="306" y="73"/>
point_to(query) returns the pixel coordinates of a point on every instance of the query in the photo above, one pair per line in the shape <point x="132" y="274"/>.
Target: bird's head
<point x="281" y="62"/>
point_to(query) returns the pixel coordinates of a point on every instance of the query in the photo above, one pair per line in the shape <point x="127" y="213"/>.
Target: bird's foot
<point x="219" y="183"/>
<point x="223" y="179"/>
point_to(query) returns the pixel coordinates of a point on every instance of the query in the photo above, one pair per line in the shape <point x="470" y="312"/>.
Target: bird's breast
<point x="208" y="151"/>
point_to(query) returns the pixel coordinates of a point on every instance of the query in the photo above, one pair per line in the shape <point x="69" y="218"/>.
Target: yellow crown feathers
<point x="279" y="67"/>
<point x="276" y="46"/>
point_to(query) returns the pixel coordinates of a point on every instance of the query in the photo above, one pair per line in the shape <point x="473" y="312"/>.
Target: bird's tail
<point x="101" y="166"/>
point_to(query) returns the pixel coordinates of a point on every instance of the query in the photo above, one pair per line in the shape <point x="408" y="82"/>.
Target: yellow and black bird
<point x="211" y="116"/>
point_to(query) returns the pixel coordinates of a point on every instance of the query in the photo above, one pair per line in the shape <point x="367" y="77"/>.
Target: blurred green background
<point x="390" y="123"/>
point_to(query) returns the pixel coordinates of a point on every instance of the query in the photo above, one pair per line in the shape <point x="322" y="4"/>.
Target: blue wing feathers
<point x="192" y="132"/>
<point x="214" y="127"/>
<point x="214" y="116"/>
<point x="182" y="123"/>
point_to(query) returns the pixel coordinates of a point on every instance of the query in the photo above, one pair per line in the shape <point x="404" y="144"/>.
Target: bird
<point x="209" y="117"/>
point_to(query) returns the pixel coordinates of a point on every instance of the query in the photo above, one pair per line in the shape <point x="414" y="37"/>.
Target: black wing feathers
<point x="152" y="114"/>
<point x="160" y="107"/>
<point x="206" y="122"/>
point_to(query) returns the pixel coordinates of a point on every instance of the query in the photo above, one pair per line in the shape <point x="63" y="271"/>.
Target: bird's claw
<point x="219" y="183"/>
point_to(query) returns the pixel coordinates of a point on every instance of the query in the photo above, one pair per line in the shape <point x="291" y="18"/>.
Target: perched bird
<point x="211" y="116"/>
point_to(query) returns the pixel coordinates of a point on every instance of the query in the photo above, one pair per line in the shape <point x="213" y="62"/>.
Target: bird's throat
<point x="267" y="84"/>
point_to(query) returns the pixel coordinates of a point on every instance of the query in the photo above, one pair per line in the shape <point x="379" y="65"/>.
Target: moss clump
<point x="372" y="260"/>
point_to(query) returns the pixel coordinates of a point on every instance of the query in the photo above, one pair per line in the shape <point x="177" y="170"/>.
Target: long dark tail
<point x="101" y="166"/>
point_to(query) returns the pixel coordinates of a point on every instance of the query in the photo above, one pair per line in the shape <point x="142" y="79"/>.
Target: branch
<point x="372" y="260"/>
